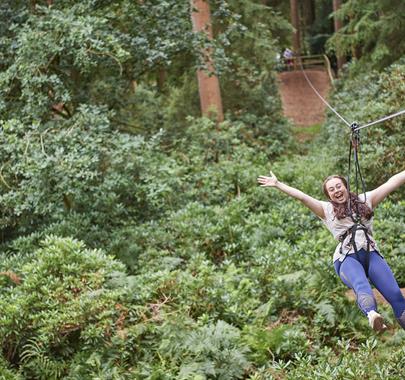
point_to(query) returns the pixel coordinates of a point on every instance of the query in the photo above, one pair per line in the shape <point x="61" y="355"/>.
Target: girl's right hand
<point x="267" y="181"/>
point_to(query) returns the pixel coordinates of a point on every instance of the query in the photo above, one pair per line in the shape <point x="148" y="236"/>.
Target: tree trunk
<point x="208" y="83"/>
<point x="341" y="59"/>
<point x="161" y="78"/>
<point x="309" y="12"/>
<point x="295" y="20"/>
<point x="356" y="50"/>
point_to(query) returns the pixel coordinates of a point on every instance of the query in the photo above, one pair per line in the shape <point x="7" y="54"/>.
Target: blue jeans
<point x="352" y="272"/>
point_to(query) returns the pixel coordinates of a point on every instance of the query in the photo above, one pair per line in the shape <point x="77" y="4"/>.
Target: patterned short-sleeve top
<point x="339" y="226"/>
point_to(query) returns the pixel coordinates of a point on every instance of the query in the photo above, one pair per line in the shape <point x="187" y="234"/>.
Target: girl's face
<point x="336" y="190"/>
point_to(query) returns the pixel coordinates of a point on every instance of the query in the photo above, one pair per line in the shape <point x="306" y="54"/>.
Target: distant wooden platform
<point x="379" y="298"/>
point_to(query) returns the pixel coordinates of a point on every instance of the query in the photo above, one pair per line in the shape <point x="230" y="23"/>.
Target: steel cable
<point x="321" y="97"/>
<point x="380" y="120"/>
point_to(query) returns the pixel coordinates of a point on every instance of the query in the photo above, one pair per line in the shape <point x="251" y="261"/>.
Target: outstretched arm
<point x="381" y="192"/>
<point x="313" y="204"/>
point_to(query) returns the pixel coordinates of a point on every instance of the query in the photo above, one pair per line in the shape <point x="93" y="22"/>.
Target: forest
<point x="135" y="241"/>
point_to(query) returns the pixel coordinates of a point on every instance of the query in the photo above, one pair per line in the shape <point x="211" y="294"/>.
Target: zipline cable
<point x="320" y="96"/>
<point x="340" y="116"/>
<point x="354" y="147"/>
<point x="353" y="204"/>
<point x="354" y="144"/>
<point x="380" y="120"/>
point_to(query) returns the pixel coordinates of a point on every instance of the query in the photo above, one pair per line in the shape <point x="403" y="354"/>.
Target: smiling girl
<point x="350" y="219"/>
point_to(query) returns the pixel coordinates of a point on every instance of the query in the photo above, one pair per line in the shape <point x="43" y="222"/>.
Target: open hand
<point x="267" y="181"/>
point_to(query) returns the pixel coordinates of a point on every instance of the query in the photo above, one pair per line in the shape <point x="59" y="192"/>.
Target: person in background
<point x="288" y="58"/>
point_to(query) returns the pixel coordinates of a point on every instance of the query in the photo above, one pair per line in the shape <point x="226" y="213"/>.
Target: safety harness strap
<point x="352" y="231"/>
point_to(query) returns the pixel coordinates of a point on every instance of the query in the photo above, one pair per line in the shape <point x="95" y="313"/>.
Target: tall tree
<point x="295" y="20"/>
<point x="309" y="11"/>
<point x="341" y="60"/>
<point x="208" y="83"/>
<point x="373" y="33"/>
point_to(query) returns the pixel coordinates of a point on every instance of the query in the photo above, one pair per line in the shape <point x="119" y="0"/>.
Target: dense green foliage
<point x="135" y="243"/>
<point x="373" y="31"/>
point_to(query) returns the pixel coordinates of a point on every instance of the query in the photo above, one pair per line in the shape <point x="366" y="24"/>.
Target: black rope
<point x="358" y="176"/>
<point x="349" y="202"/>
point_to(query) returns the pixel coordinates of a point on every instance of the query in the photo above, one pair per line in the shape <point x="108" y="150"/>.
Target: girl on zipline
<point x="356" y="257"/>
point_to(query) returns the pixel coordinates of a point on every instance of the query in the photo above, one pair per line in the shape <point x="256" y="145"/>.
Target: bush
<point x="61" y="307"/>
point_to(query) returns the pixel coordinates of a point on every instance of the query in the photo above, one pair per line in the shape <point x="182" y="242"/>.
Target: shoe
<point x="376" y="321"/>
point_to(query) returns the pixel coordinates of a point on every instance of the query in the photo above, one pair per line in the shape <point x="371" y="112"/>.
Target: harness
<point x="357" y="224"/>
<point x="352" y="232"/>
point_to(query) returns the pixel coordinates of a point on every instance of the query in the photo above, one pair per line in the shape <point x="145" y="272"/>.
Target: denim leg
<point x="353" y="275"/>
<point x="383" y="279"/>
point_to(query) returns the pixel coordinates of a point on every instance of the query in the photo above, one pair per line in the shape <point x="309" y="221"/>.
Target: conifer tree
<point x="295" y="20"/>
<point x="373" y="33"/>
<point x="338" y="25"/>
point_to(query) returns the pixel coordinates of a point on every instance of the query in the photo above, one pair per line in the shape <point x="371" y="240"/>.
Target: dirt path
<point x="300" y="103"/>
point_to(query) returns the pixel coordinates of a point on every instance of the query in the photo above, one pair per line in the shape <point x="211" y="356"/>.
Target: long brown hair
<point x="341" y="210"/>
